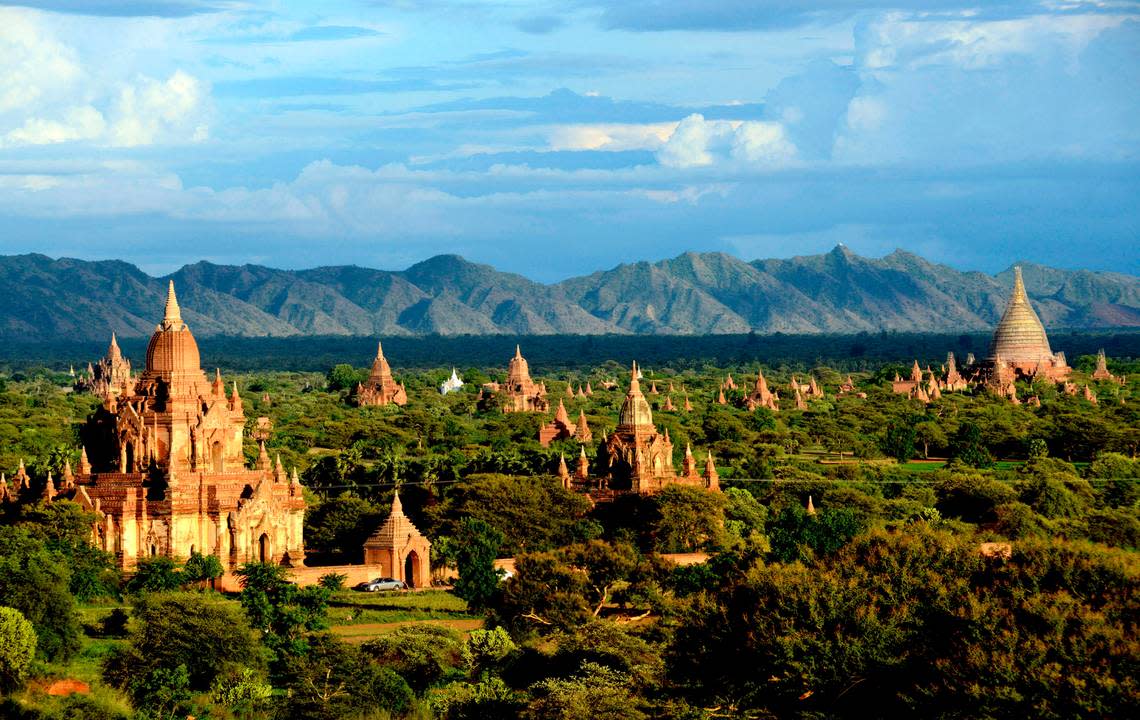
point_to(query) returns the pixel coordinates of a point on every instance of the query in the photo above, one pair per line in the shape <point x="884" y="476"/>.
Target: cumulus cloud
<point x="150" y="109"/>
<point x="50" y="94"/>
<point x="697" y="142"/>
<point x="965" y="92"/>
<point x="78" y="123"/>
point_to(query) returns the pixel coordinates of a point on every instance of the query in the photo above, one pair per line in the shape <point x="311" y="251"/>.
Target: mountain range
<point x="693" y="294"/>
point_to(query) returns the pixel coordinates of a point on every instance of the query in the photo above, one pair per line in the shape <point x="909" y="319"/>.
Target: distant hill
<point x="693" y="294"/>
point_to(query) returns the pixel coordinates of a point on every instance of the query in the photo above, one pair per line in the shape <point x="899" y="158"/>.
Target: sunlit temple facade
<point x="164" y="469"/>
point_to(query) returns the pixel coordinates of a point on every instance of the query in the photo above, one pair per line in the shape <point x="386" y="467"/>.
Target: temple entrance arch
<point x="412" y="570"/>
<point x="264" y="551"/>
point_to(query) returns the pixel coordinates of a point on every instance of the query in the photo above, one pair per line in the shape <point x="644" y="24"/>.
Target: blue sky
<point x="559" y="138"/>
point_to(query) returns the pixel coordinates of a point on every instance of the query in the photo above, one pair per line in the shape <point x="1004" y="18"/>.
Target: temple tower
<point x="380" y="388"/>
<point x="399" y="549"/>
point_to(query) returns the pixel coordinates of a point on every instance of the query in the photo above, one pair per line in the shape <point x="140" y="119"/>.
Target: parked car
<point x="381" y="584"/>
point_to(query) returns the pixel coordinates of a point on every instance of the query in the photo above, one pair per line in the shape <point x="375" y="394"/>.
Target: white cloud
<point x="50" y="93"/>
<point x="611" y="136"/>
<point x="34" y="64"/>
<point x="78" y="123"/>
<point x="150" y="109"/>
<point x="697" y="142"/>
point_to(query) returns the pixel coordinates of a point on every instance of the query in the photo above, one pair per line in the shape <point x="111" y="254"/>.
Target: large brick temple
<point x="164" y="469"/>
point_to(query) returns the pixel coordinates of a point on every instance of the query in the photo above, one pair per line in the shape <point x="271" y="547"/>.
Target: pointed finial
<point x="583" y="451"/>
<point x="397" y="508"/>
<point x="379" y="349"/>
<point x="518" y="352"/>
<point x="173" y="312"/>
<point x="810" y="506"/>
<point x="634" y="386"/>
<point x="688" y="449"/>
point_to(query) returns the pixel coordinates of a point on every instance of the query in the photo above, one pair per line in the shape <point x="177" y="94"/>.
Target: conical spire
<point x="397" y="508"/>
<point x="1020" y="336"/>
<point x="810" y="506"/>
<point x="518" y="352"/>
<point x="173" y="313"/>
<point x="634" y="385"/>
<point x="113" y="350"/>
<point x="560" y="415"/>
<point x="379" y="350"/>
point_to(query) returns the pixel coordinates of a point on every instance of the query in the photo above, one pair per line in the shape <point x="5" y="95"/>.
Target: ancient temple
<point x="761" y="396"/>
<point x="163" y="466"/>
<point x="1020" y="343"/>
<point x="953" y="380"/>
<point x="561" y="428"/>
<point x="1101" y="372"/>
<point x="519" y="393"/>
<point x="399" y="549"/>
<point x="109" y="375"/>
<point x="380" y="388"/>
<point x="452" y="384"/>
<point x="639" y="457"/>
<point x="908" y="386"/>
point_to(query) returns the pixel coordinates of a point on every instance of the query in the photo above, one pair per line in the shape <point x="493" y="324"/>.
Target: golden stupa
<point x="1020" y="342"/>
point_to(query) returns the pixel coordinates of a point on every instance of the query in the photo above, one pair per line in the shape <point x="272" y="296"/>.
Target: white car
<point x="382" y="584"/>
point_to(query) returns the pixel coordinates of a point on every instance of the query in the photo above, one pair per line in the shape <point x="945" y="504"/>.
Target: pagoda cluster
<point x="1019" y="350"/>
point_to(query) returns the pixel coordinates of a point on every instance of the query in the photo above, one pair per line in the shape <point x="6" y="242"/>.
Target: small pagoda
<point x="519" y="393"/>
<point x="399" y="549"/>
<point x="380" y="388"/>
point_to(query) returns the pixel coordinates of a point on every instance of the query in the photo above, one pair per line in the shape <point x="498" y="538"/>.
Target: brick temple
<point x="163" y="466"/>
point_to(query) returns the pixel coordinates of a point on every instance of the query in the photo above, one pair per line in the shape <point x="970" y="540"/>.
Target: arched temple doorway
<point x="264" y="552"/>
<point x="412" y="570"/>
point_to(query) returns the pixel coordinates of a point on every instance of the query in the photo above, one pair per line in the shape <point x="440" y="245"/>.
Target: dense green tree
<point x="65" y="528"/>
<point x="795" y="534"/>
<point x="345" y="377"/>
<point x="284" y="612"/>
<point x="531" y="513"/>
<point x="686" y="519"/>
<point x="967" y="447"/>
<point x="595" y="692"/>
<point x="477" y="546"/>
<point x="156" y="574"/>
<point x="180" y="642"/>
<point x="336" y="528"/>
<point x="35" y="581"/>
<point x="17" y="648"/>
<point x="421" y="654"/>
<point x="918" y="624"/>
<point x="202" y="569"/>
<point x="334" y="680"/>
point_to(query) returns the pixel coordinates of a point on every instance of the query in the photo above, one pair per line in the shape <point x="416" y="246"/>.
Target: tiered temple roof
<point x="519" y="393"/>
<point x="109" y="374"/>
<point x="640" y="458"/>
<point x="399" y="549"/>
<point x="163" y="466"/>
<point x="380" y="388"/>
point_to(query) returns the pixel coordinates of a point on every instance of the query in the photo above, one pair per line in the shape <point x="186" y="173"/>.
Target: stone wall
<point x="305" y="575"/>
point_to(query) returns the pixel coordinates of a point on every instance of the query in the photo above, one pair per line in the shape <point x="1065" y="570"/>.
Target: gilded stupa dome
<point x="1020" y="337"/>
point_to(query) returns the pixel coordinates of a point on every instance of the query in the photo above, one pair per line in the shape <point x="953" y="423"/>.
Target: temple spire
<point x="634" y="386"/>
<point x="379" y="350"/>
<point x="518" y="352"/>
<point x="173" y="312"/>
<point x="397" y="507"/>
